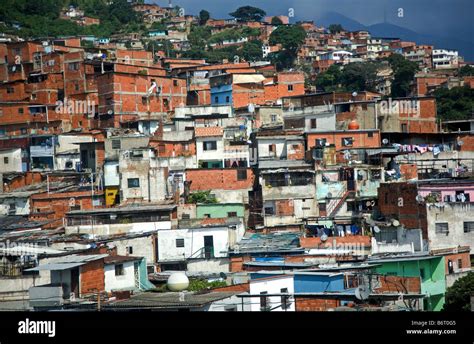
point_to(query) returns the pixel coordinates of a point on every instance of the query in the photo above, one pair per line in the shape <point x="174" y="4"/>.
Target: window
<point x="232" y="214"/>
<point x="2" y="132"/>
<point x="241" y="174"/>
<point x="119" y="270"/>
<point x="227" y="99"/>
<point x="5" y="160"/>
<point x="273" y="118"/>
<point x="269" y="211"/>
<point x="459" y="263"/>
<point x="73" y="66"/>
<point x="290" y="88"/>
<point x="133" y="182"/>
<point x="21" y="111"/>
<point x="442" y="228"/>
<point x="207" y="216"/>
<point x="10" y="90"/>
<point x="209" y="145"/>
<point x="347" y="141"/>
<point x="313" y="123"/>
<point x="216" y="99"/>
<point x="179" y="243"/>
<point x="129" y="249"/>
<point x="468" y="227"/>
<point x="370" y="134"/>
<point x="285" y="304"/>
<point x="23" y="131"/>
<point x="322" y="206"/>
<point x="264" y="304"/>
<point x="404" y="128"/>
<point x="175" y="82"/>
<point x="116" y="144"/>
<point x="185" y="216"/>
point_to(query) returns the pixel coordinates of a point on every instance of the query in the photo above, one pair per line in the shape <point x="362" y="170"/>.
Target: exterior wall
<point x="272" y="286"/>
<point x="361" y="139"/>
<point x="324" y="115"/>
<point x="193" y="243"/>
<point x="92" y="277"/>
<point x="217" y="154"/>
<point x="11" y="160"/>
<point x="278" y="144"/>
<point x="433" y="283"/>
<point x="454" y="214"/>
<point x="417" y="114"/>
<point x="314" y="283"/>
<point x="219" y="210"/>
<point x="22" y="206"/>
<point x="111" y="229"/>
<point x="142" y="246"/>
<point x="315" y="305"/>
<point x="208" y="266"/>
<point x="124" y="282"/>
<point x="218" y="179"/>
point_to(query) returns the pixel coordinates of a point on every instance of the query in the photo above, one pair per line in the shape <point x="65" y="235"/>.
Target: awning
<point x="55" y="267"/>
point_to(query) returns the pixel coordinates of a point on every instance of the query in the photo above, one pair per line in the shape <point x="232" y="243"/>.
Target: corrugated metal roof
<point x="55" y="267"/>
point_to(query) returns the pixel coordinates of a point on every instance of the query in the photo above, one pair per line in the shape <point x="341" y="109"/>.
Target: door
<point x="209" y="246"/>
<point x="75" y="282"/>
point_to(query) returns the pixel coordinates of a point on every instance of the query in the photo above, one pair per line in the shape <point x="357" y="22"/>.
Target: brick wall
<point x="221" y="179"/>
<point x="397" y="284"/>
<point x="361" y="139"/>
<point x="398" y="200"/>
<point x="92" y="277"/>
<point x="314" y="305"/>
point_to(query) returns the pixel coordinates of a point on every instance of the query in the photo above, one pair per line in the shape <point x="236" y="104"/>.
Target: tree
<point x="330" y="80"/>
<point x="248" y="13"/>
<point x="204" y="17"/>
<point x="454" y="104"/>
<point x="466" y="71"/>
<point x="252" y="51"/>
<point x="403" y="74"/>
<point x="290" y="37"/>
<point x="458" y="296"/>
<point x="276" y="21"/>
<point x="335" y="28"/>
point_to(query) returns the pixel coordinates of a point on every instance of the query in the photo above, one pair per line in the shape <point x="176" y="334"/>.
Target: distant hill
<point x="390" y="30"/>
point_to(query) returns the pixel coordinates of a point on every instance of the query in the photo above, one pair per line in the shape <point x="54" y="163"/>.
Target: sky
<point x="440" y="17"/>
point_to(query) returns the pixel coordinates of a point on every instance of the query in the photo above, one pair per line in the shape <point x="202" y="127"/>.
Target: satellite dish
<point x="329" y="195"/>
<point x="354" y="94"/>
<point x="376" y="229"/>
<point x="223" y="275"/>
<point x="385" y="141"/>
<point x="395" y="223"/>
<point x="324" y="237"/>
<point x="251" y="108"/>
<point x="110" y="112"/>
<point x="362" y="292"/>
<point x="419" y="198"/>
<point x="460" y="143"/>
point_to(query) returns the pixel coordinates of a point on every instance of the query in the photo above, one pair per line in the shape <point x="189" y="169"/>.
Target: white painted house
<point x="120" y="273"/>
<point x="276" y="285"/>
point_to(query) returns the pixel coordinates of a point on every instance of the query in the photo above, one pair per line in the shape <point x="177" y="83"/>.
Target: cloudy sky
<point x="440" y="17"/>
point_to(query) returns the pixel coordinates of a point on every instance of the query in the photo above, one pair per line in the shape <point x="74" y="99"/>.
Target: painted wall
<point x="219" y="210"/>
<point x="272" y="286"/>
<point x="123" y="282"/>
<point x="10" y="160"/>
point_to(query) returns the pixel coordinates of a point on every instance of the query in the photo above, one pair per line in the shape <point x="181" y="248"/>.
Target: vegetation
<point x="40" y="18"/>
<point x="248" y="13"/>
<point x="204" y="197"/>
<point x="291" y="38"/>
<point x="335" y="28"/>
<point x="466" y="71"/>
<point x="458" y="296"/>
<point x="403" y="74"/>
<point x="200" y="284"/>
<point x="454" y="104"/>
<point x="276" y="21"/>
<point x="354" y="77"/>
<point x="204" y="17"/>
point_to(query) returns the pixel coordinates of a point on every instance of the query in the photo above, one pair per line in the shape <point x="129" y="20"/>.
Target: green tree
<point x="252" y="50"/>
<point x="291" y="38"/>
<point x="458" y="296"/>
<point x="454" y="104"/>
<point x="204" y="17"/>
<point x="330" y="80"/>
<point x="276" y="21"/>
<point x="248" y="13"/>
<point x="403" y="74"/>
<point x="466" y="71"/>
<point x="335" y="28"/>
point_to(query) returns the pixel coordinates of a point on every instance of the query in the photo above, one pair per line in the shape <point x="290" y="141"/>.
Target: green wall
<point x="219" y="210"/>
<point x="433" y="282"/>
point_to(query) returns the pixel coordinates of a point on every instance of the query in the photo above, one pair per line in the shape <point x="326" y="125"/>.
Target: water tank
<point x="353" y="125"/>
<point x="177" y="281"/>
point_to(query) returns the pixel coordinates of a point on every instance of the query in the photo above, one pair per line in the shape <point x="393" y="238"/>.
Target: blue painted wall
<point x="318" y="283"/>
<point x="221" y="92"/>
